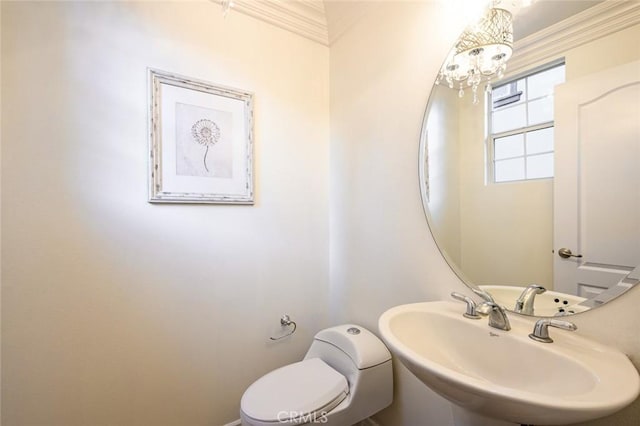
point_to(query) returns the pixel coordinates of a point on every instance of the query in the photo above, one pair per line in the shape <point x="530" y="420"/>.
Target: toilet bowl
<point x="345" y="377"/>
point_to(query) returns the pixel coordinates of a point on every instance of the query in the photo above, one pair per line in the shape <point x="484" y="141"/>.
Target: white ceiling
<point x="543" y="13"/>
<point x="341" y="14"/>
<point x="325" y="21"/>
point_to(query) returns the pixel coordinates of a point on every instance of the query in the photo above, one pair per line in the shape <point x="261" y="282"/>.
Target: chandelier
<point x="480" y="53"/>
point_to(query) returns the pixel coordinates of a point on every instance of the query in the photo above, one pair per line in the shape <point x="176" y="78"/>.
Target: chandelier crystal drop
<point x="480" y="53"/>
<point x="227" y="5"/>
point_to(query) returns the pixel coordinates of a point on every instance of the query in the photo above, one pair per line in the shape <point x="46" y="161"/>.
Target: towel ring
<point x="285" y="321"/>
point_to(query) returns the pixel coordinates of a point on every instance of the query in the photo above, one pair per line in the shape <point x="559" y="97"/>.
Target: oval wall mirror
<point x="532" y="192"/>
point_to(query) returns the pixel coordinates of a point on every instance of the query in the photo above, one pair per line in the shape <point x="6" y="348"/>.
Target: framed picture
<point x="200" y="140"/>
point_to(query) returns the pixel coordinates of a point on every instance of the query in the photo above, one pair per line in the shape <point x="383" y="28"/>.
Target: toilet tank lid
<point x="362" y="346"/>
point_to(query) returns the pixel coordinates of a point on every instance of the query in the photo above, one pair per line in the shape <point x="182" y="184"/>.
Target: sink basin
<point x="505" y="374"/>
<point x="546" y="304"/>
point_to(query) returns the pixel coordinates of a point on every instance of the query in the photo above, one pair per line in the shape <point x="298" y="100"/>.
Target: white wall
<point x="382" y="253"/>
<point x="119" y="312"/>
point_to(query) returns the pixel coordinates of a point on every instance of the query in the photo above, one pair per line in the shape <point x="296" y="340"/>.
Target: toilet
<point x="345" y="377"/>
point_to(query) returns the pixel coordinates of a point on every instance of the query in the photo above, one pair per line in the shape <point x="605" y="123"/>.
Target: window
<point x="520" y="124"/>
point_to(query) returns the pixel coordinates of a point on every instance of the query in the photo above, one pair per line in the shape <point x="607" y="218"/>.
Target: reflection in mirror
<point x="538" y="182"/>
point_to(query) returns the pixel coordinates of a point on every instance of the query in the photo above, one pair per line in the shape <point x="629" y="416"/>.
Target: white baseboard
<point x="234" y="423"/>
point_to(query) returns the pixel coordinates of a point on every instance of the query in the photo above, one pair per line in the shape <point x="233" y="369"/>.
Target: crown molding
<point x="303" y="17"/>
<point x="596" y="22"/>
<point x="307" y="18"/>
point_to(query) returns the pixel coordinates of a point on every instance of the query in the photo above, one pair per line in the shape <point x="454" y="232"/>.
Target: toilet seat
<point x="302" y="391"/>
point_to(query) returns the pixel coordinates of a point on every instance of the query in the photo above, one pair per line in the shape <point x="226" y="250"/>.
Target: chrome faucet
<point x="524" y="304"/>
<point x="541" y="329"/>
<point x="497" y="316"/>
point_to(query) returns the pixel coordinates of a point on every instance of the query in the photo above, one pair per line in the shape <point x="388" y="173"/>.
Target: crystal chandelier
<point x="480" y="53"/>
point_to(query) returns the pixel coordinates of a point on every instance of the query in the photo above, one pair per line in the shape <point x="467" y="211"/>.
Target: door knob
<point x="565" y="253"/>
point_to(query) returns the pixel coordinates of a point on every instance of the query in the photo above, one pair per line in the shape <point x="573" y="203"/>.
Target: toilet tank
<point x="365" y="361"/>
<point x="361" y="346"/>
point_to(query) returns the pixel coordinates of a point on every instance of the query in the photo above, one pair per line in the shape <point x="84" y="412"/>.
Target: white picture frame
<point x="200" y="141"/>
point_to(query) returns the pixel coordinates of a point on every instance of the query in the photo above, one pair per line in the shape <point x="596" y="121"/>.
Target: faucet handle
<point x="483" y="294"/>
<point x="471" y="305"/>
<point x="541" y="329"/>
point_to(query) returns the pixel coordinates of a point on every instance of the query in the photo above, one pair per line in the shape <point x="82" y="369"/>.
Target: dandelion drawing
<point x="204" y="142"/>
<point x="205" y="132"/>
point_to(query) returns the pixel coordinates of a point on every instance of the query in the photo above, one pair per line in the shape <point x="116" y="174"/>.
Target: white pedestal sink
<point x="504" y="374"/>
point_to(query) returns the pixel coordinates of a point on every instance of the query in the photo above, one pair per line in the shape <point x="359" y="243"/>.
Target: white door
<point x="597" y="180"/>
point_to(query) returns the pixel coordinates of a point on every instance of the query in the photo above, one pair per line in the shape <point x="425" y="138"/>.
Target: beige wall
<point x="442" y="141"/>
<point x="119" y="312"/>
<point x="506" y="224"/>
<point x="615" y="49"/>
<point x="383" y="254"/>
